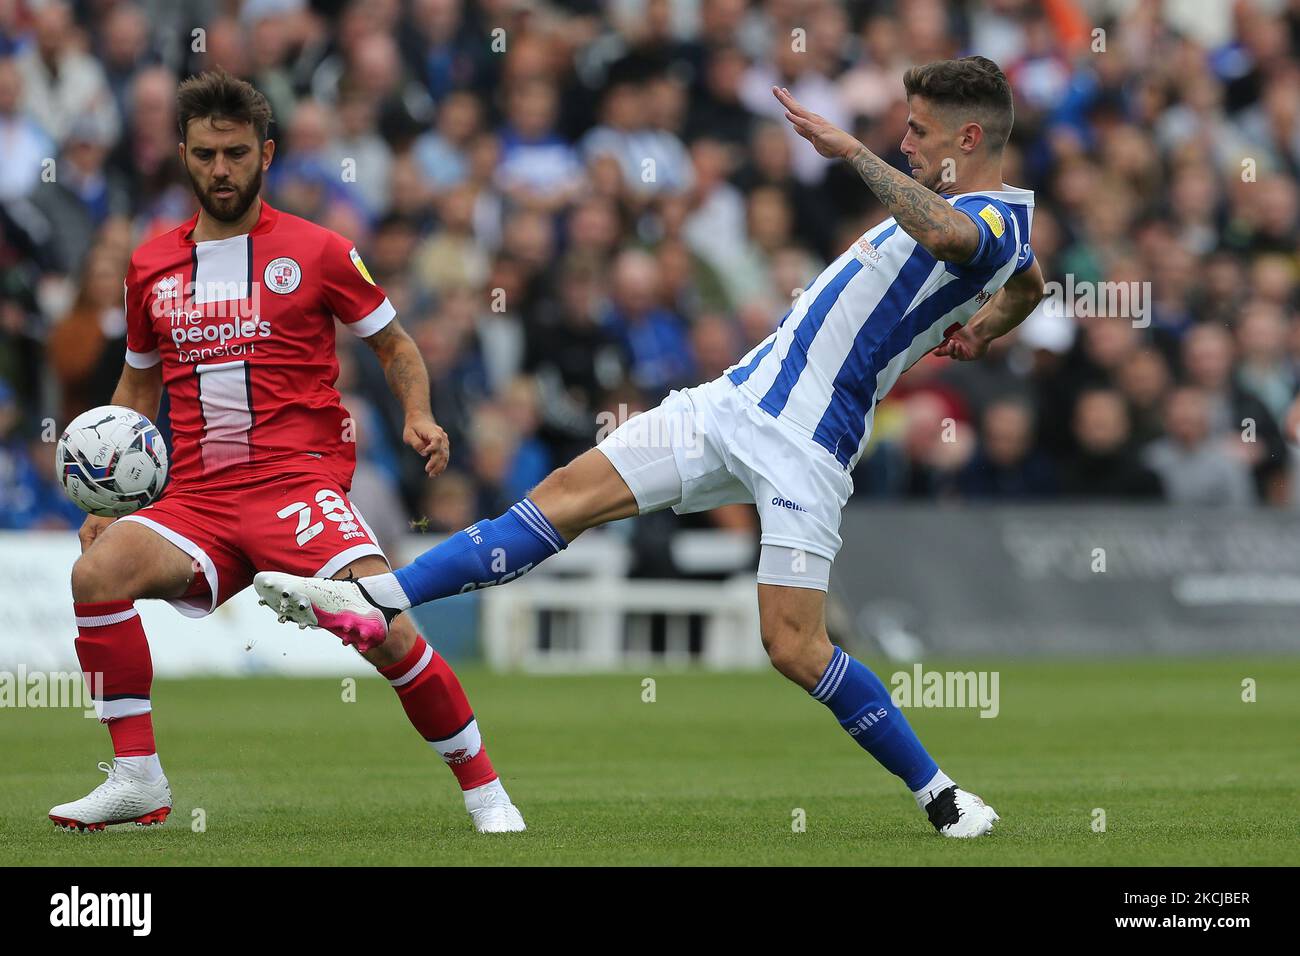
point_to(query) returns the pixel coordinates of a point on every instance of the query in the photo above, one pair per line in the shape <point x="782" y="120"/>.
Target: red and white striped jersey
<point x="244" y="329"/>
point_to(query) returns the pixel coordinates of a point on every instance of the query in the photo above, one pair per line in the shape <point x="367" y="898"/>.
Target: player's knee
<point x="97" y="579"/>
<point x="559" y="486"/>
<point x="795" y="653"/>
<point x="783" y="654"/>
<point x="783" y="649"/>
<point x="560" y="496"/>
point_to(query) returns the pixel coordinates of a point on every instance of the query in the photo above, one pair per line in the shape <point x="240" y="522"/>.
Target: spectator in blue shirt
<point x="654" y="338"/>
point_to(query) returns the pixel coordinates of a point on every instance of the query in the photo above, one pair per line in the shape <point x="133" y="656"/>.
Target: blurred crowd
<point x="578" y="205"/>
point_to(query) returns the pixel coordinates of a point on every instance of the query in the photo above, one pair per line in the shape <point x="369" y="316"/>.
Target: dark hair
<point x="973" y="84"/>
<point x="219" y="95"/>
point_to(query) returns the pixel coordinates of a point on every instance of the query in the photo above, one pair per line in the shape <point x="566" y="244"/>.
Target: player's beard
<point x="228" y="208"/>
<point x="927" y="178"/>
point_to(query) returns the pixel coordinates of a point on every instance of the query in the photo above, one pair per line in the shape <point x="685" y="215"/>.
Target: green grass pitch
<point x="712" y="772"/>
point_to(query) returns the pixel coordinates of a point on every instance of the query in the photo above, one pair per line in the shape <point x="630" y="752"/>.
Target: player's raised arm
<point x="923" y="214"/>
<point x="409" y="380"/>
<point x="1008" y="307"/>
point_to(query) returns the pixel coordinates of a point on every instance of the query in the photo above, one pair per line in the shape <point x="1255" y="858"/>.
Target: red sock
<point x="436" y="705"/>
<point x="115" y="661"/>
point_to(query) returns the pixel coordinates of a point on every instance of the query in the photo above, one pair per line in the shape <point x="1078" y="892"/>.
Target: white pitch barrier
<point x="580" y="612"/>
<point x="609" y="628"/>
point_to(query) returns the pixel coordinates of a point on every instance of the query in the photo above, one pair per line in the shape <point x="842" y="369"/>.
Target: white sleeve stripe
<point x="143" y="359"/>
<point x="376" y="320"/>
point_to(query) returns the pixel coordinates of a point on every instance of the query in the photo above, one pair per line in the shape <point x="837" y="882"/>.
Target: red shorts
<point x="302" y="524"/>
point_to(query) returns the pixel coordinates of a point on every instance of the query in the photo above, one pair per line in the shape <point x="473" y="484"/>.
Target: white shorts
<point x="711" y="445"/>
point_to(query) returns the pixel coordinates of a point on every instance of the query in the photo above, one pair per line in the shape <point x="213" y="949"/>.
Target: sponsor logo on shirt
<point x="166" y="288"/>
<point x="865" y="252"/>
<point x="218" y="298"/>
<point x="196" y="330"/>
<point x="208" y="320"/>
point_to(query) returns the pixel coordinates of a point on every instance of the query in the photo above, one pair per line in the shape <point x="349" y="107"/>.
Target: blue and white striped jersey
<point x="873" y="313"/>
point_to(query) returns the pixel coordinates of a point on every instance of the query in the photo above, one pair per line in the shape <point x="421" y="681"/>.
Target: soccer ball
<point x="111" y="461"/>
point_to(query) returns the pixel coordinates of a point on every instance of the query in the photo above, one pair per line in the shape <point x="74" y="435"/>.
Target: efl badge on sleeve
<point x="361" y="266"/>
<point x="994" y="219"/>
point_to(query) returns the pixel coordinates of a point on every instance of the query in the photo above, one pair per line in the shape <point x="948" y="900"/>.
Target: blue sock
<point x="861" y="703"/>
<point x="487" y="553"/>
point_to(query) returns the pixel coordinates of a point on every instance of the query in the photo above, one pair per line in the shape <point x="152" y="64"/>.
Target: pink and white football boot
<point x="340" y="607"/>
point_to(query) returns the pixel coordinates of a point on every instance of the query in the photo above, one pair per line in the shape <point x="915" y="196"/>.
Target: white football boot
<point x="490" y="808"/>
<point x="340" y="607"/>
<point x="956" y="813"/>
<point x="123" y="798"/>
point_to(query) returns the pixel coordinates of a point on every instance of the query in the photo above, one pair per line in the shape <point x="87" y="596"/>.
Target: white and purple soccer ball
<point x="111" y="461"/>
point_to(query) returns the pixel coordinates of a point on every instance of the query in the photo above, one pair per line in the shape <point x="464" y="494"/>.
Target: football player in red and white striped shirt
<point x="233" y="313"/>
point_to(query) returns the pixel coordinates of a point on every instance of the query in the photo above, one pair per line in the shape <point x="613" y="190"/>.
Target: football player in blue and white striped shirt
<point x="950" y="271"/>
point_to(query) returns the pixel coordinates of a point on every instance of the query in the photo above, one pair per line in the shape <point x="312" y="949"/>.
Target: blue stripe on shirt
<point x="739" y="375"/>
<point x="842" y="424"/>
<point x="796" y="359"/>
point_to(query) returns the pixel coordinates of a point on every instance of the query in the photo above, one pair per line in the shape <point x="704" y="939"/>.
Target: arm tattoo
<point x="924" y="214"/>
<point x="404" y="370"/>
<point x="408" y="380"/>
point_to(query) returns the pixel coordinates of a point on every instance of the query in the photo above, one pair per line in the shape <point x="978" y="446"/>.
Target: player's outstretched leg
<point x="581" y="495"/>
<point x="794" y="634"/>
<point x="128" y="562"/>
<point x="358" y="611"/>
